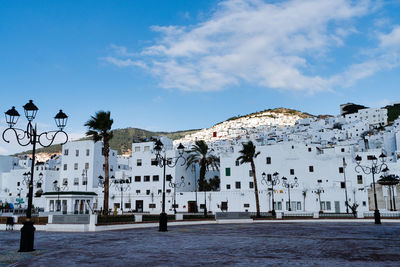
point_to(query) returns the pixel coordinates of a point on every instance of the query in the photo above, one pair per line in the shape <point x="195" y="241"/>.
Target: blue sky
<point x="175" y="65"/>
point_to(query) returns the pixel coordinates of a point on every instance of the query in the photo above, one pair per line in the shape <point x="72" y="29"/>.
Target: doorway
<point x="192" y="206"/>
<point x="139" y="205"/>
<point x="337" y="206"/>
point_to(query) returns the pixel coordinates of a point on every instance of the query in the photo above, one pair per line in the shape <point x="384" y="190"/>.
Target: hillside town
<point x="305" y="164"/>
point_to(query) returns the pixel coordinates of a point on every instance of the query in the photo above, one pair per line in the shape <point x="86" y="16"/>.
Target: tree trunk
<point x="253" y="168"/>
<point x="202" y="178"/>
<point x="106" y="177"/>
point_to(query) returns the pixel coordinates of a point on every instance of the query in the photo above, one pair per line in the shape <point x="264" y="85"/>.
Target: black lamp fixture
<point x="374" y="168"/>
<point x="12" y="117"/>
<point x="25" y="137"/>
<point x="163" y="162"/>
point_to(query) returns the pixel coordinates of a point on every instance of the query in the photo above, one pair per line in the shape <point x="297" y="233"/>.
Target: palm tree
<point x="201" y="155"/>
<point x="248" y="154"/>
<point x="304" y="192"/>
<point x="99" y="128"/>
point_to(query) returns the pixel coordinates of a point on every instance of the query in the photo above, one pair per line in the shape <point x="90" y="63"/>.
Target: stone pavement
<point x="294" y="244"/>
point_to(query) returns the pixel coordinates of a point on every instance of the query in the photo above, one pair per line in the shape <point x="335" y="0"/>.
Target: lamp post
<point x="30" y="136"/>
<point x="85" y="177"/>
<point x="289" y="185"/>
<point x="122" y="185"/>
<point x="375" y="168"/>
<point x="345" y="185"/>
<point x="271" y="181"/>
<point x="390" y="181"/>
<point x="163" y="162"/>
<point x="318" y="192"/>
<point x="176" y="185"/>
<point x="58" y="188"/>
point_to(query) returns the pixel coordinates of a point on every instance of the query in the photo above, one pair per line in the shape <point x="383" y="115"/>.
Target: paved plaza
<point x="259" y="244"/>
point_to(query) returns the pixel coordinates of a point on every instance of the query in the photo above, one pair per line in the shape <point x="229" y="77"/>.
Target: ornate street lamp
<point x="176" y="185"/>
<point x="58" y="188"/>
<point x="163" y="162"/>
<point x="85" y="177"/>
<point x="289" y="185"/>
<point x="121" y="185"/>
<point x="318" y="191"/>
<point x="390" y="181"/>
<point x="375" y="168"/>
<point x="26" y="137"/>
<point x="271" y="180"/>
<point x="345" y="185"/>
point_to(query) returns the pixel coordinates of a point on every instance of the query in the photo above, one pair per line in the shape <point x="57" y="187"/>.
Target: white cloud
<point x="260" y="43"/>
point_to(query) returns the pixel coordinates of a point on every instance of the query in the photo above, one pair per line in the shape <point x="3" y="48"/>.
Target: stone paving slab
<point x="260" y="244"/>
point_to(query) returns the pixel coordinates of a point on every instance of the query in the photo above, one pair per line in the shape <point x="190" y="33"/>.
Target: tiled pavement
<point x="286" y="244"/>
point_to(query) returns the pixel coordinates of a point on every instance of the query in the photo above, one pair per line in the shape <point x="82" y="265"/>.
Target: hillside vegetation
<point x="122" y="140"/>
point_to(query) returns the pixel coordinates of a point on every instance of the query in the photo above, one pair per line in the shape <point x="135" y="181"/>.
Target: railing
<point x="337" y="215"/>
<point x="263" y="215"/>
<point x="297" y="215"/>
<point x="388" y="214"/>
<point x="71" y="219"/>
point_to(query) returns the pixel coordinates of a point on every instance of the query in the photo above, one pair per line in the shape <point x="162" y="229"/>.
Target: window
<point x="65" y="152"/>
<point x="227" y="171"/>
<point x="147" y="148"/>
<point x="168" y="191"/>
<point x="309" y="149"/>
<point x="168" y="178"/>
<point x="277" y="205"/>
<point x="65" y="167"/>
<point x="18" y="183"/>
<point x="269" y="177"/>
<point x="237" y="163"/>
<point x="76" y="181"/>
<point x="137" y="148"/>
<point x="146" y="178"/>
<point x="319" y="181"/>
<point x="137" y="178"/>
<point x="86" y="165"/>
<point x="139" y="162"/>
<point x="246" y="205"/>
<point x="152" y="206"/>
<point x="292" y="147"/>
<point x="127" y="205"/>
<point x="268" y="160"/>
<point x="87" y="152"/>
<point x="342" y="149"/>
<point x="341" y="170"/>
<point x="342" y="185"/>
<point x="364" y="203"/>
<point x="138" y="191"/>
<point x="77" y="153"/>
<point x="359" y="179"/>
<point x="311" y="168"/>
<point x="159" y="191"/>
<point x="251" y="173"/>
<point x="228" y="186"/>
<point x="154" y="162"/>
<point x="147" y="192"/>
<point x="75" y="166"/>
<point x="156" y="178"/>
<point x="251" y="184"/>
<point x="325" y="205"/>
<point x="237" y="185"/>
<point x="291" y="171"/>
